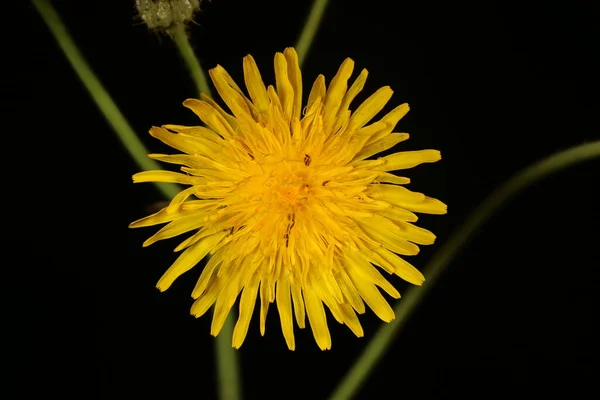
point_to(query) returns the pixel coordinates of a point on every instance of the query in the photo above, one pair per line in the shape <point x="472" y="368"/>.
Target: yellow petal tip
<point x="161" y="287"/>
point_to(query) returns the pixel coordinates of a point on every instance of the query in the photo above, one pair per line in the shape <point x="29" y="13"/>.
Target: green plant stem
<point x="100" y="96"/>
<point x="226" y="357"/>
<point x="310" y="29"/>
<point x="405" y="307"/>
<point x="227" y="362"/>
<point x="182" y="42"/>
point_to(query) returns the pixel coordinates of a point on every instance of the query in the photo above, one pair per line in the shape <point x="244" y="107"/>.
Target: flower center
<point x="291" y="191"/>
<point x="282" y="186"/>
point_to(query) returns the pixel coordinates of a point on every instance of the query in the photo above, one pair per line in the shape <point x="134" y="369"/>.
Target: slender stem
<point x="180" y="38"/>
<point x="226" y="357"/>
<point x="100" y="96"/>
<point x="310" y="29"/>
<point x="227" y="363"/>
<point x="405" y="307"/>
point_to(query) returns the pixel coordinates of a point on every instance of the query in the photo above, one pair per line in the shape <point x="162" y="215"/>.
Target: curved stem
<point x="180" y="38"/>
<point x="310" y="29"/>
<point x="100" y="96"/>
<point x="405" y="307"/>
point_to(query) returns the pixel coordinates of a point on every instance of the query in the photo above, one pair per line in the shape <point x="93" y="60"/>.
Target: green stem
<point x="310" y="29"/>
<point x="100" y="96"/>
<point x="227" y="363"/>
<point x="405" y="307"/>
<point x="180" y="38"/>
<point x="226" y="357"/>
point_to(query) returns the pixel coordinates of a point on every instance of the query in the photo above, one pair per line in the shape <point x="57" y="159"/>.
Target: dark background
<point x="494" y="85"/>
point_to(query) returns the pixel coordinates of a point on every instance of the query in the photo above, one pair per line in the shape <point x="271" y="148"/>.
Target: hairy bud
<point x="164" y="14"/>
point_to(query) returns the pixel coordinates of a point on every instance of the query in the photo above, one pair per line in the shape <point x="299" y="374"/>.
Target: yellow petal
<point x="359" y="138"/>
<point x="179" y="159"/>
<point x="265" y="288"/>
<point x="164" y="216"/>
<point x="275" y="101"/>
<point x="341" y="122"/>
<point x="349" y="291"/>
<point x="207" y="273"/>
<point x="371" y="107"/>
<point x="284" y="306"/>
<point x="318" y="90"/>
<point x="401" y="267"/>
<point x="200" y="132"/>
<point x="225" y="301"/>
<point x="409" y="159"/>
<point x="351" y="320"/>
<point x="295" y="77"/>
<point x="285" y="91"/>
<point x="388" y="238"/>
<point x="355" y="89"/>
<point x="174" y="228"/>
<point x="298" y="302"/>
<point x="335" y="93"/>
<point x="247" y="303"/>
<point x="427" y="206"/>
<point x="390" y="120"/>
<point x="415" y="234"/>
<point x="255" y="85"/>
<point x="372" y="297"/>
<point x="204" y="302"/>
<point x="167" y="176"/>
<point x="225" y="116"/>
<point x="178" y="200"/>
<point x="362" y="268"/>
<point x="185" y="142"/>
<point x="188" y="259"/>
<point x="398" y="214"/>
<point x="384" y="144"/>
<point x="317" y="318"/>
<point x="391" y="178"/>
<point x="329" y="302"/>
<point x="327" y="281"/>
<point x="393" y="194"/>
<point x="231" y="94"/>
<point x="376" y="259"/>
<point x="171" y="139"/>
<point x="210" y="117"/>
<point x="202" y="233"/>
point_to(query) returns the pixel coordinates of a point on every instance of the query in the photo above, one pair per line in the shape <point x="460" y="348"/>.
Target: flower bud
<point x="164" y="14"/>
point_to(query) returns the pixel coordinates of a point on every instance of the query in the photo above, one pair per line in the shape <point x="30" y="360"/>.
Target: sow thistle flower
<point x="287" y="202"/>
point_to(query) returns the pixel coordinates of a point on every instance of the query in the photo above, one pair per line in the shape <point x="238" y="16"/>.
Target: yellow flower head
<point x="287" y="202"/>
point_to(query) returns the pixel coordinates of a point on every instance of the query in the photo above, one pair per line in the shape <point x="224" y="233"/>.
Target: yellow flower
<point x="287" y="202"/>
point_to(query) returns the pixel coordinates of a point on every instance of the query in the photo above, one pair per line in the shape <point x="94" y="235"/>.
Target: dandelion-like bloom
<point x="288" y="203"/>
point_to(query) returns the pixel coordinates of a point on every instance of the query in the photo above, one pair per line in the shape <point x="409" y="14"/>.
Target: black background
<point x="494" y="85"/>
